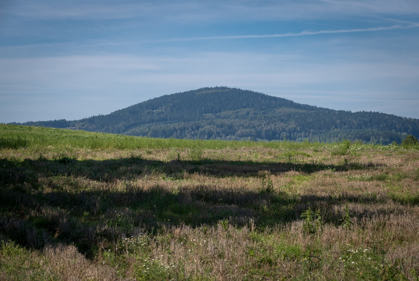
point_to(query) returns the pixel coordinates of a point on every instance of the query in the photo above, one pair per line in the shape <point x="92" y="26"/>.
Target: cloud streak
<point x="293" y="34"/>
<point x="58" y="87"/>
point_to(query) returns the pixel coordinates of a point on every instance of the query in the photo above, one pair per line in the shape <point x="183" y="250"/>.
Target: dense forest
<point x="226" y="113"/>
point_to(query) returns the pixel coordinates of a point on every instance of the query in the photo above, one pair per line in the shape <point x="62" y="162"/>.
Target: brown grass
<point x="144" y="215"/>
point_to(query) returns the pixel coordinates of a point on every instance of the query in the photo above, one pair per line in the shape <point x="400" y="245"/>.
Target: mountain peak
<point x="231" y="113"/>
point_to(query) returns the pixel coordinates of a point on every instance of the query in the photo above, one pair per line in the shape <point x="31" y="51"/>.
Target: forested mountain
<point x="226" y="113"/>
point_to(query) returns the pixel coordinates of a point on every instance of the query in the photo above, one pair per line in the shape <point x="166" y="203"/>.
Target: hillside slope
<point x="226" y="113"/>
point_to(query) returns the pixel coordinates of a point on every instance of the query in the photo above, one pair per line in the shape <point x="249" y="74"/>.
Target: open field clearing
<point x="85" y="206"/>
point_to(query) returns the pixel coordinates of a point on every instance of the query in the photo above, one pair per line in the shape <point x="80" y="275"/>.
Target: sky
<point x="75" y="59"/>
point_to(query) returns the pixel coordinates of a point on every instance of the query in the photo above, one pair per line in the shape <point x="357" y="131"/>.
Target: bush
<point x="410" y="140"/>
<point x="342" y="149"/>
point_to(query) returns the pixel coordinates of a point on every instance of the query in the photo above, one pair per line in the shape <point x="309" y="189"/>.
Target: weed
<point x="150" y="270"/>
<point x="267" y="184"/>
<point x="405" y="198"/>
<point x="224" y="224"/>
<point x="342" y="148"/>
<point x="379" y="177"/>
<point x="364" y="264"/>
<point x="346" y="219"/>
<point x="312" y="221"/>
<point x="289" y="156"/>
<point x="195" y="154"/>
<point x="311" y="258"/>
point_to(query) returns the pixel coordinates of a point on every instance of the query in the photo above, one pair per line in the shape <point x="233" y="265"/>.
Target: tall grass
<point x="86" y="206"/>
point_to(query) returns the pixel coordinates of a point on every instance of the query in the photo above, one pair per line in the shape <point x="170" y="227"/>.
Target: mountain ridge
<point x="231" y="113"/>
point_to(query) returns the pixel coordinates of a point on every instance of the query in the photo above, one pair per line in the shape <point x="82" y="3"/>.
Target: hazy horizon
<point x="106" y="113"/>
<point x="61" y="60"/>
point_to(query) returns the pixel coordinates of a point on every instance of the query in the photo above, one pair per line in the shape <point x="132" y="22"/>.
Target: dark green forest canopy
<point x="226" y="113"/>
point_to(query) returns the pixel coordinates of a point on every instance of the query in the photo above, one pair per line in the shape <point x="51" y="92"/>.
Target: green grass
<point x="94" y="206"/>
<point x="14" y="137"/>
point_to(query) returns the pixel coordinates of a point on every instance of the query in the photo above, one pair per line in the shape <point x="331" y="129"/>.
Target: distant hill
<point x="226" y="113"/>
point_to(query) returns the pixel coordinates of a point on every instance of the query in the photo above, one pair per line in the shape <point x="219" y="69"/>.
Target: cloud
<point x="79" y="86"/>
<point x="98" y="75"/>
<point x="293" y="34"/>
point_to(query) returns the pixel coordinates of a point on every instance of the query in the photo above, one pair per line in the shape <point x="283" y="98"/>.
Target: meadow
<point x="87" y="206"/>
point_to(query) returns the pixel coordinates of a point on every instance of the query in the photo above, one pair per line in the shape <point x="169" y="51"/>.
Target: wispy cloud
<point x="114" y="81"/>
<point x="104" y="74"/>
<point x="293" y="34"/>
<point x="55" y="54"/>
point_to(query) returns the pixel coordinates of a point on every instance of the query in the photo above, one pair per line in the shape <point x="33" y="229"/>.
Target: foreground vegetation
<point x="84" y="206"/>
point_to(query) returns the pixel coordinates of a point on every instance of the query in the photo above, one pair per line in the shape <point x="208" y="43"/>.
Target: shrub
<point x="313" y="221"/>
<point x="342" y="148"/>
<point x="410" y="140"/>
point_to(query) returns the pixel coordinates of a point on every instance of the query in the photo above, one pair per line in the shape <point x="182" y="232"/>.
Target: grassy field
<point x="86" y="206"/>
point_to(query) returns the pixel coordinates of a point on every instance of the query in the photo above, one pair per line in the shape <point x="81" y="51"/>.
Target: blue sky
<point x="74" y="59"/>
